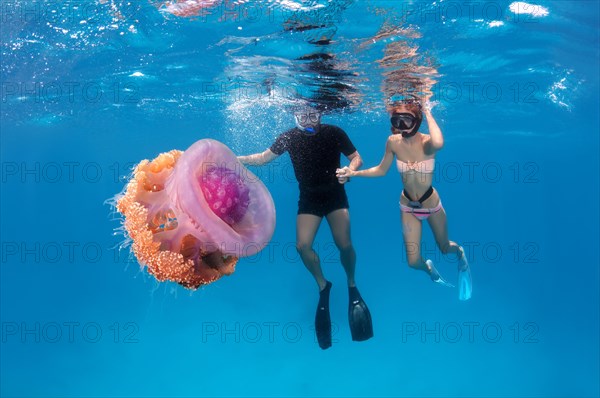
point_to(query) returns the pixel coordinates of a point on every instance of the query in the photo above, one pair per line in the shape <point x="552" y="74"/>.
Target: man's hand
<point x="343" y="175"/>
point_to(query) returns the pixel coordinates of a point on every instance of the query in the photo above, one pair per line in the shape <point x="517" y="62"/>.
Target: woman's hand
<point x="426" y="104"/>
<point x="344" y="172"/>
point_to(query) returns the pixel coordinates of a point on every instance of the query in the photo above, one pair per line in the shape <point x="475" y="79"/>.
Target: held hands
<point x="343" y="175"/>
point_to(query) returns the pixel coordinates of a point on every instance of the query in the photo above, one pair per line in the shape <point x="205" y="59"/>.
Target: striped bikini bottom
<point x="422" y="213"/>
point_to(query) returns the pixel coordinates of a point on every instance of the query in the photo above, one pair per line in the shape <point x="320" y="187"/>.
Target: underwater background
<point x="90" y="88"/>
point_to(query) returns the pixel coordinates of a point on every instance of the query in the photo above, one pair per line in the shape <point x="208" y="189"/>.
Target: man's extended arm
<point x="258" y="159"/>
<point x="355" y="160"/>
<point x="355" y="163"/>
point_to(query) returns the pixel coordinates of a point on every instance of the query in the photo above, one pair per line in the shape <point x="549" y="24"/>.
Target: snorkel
<point x="308" y="119"/>
<point x="405" y="123"/>
<point x="406" y="116"/>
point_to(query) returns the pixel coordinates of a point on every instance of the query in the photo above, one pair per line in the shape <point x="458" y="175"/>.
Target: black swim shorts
<point x="322" y="200"/>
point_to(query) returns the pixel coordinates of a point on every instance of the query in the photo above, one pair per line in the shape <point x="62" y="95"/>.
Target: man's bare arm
<point x="258" y="159"/>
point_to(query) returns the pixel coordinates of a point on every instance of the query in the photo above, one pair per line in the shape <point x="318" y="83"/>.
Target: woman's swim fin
<point x="435" y="275"/>
<point x="465" y="284"/>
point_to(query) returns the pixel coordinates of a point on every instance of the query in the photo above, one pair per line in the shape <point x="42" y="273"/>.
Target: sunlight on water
<point x="272" y="53"/>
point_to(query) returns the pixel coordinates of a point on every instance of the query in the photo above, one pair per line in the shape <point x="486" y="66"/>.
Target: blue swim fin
<point x="435" y="275"/>
<point x="465" y="284"/>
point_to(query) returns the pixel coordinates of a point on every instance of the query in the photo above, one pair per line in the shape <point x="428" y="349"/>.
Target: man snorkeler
<point x="315" y="151"/>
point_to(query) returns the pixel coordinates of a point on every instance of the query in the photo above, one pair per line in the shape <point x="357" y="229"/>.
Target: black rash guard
<point x="315" y="156"/>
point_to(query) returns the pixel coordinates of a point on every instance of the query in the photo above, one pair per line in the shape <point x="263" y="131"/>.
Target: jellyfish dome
<point x="191" y="215"/>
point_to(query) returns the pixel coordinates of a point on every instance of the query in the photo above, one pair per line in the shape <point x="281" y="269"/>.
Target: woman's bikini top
<point x="424" y="166"/>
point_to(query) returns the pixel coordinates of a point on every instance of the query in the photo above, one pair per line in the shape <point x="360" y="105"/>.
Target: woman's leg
<point x="411" y="231"/>
<point x="439" y="226"/>
<point x="339" y="222"/>
<point x="307" y="226"/>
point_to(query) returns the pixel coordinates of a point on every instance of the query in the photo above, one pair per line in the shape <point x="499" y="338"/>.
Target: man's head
<point x="308" y="119"/>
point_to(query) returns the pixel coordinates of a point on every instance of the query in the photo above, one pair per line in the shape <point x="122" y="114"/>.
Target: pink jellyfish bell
<point x="191" y="215"/>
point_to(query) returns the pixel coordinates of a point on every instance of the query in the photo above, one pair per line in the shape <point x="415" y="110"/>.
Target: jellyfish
<point x="191" y="215"/>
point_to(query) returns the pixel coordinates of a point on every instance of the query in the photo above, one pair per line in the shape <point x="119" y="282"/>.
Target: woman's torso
<point x="416" y="169"/>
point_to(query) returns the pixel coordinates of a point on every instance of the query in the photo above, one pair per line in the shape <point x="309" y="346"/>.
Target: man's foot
<point x="322" y="319"/>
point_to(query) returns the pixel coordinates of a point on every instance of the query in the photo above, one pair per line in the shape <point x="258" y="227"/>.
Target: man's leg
<point x="339" y="222"/>
<point x="307" y="226"/>
<point x="359" y="316"/>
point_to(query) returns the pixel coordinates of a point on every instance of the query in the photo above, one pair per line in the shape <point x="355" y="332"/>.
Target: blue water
<point x="91" y="88"/>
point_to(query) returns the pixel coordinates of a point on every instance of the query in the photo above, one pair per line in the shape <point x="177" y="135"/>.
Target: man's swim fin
<point x="359" y="316"/>
<point x="323" y="320"/>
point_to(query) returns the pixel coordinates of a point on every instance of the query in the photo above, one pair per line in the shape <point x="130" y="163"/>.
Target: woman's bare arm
<point x="436" y="139"/>
<point x="380" y="170"/>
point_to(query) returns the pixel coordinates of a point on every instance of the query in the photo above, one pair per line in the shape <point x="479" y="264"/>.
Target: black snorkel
<point x="407" y="123"/>
<point x="403" y="121"/>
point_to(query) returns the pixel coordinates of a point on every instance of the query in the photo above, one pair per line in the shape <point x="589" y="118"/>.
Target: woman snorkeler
<point x="415" y="158"/>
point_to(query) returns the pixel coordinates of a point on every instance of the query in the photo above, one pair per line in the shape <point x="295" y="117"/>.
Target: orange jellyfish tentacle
<point x="174" y="231"/>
